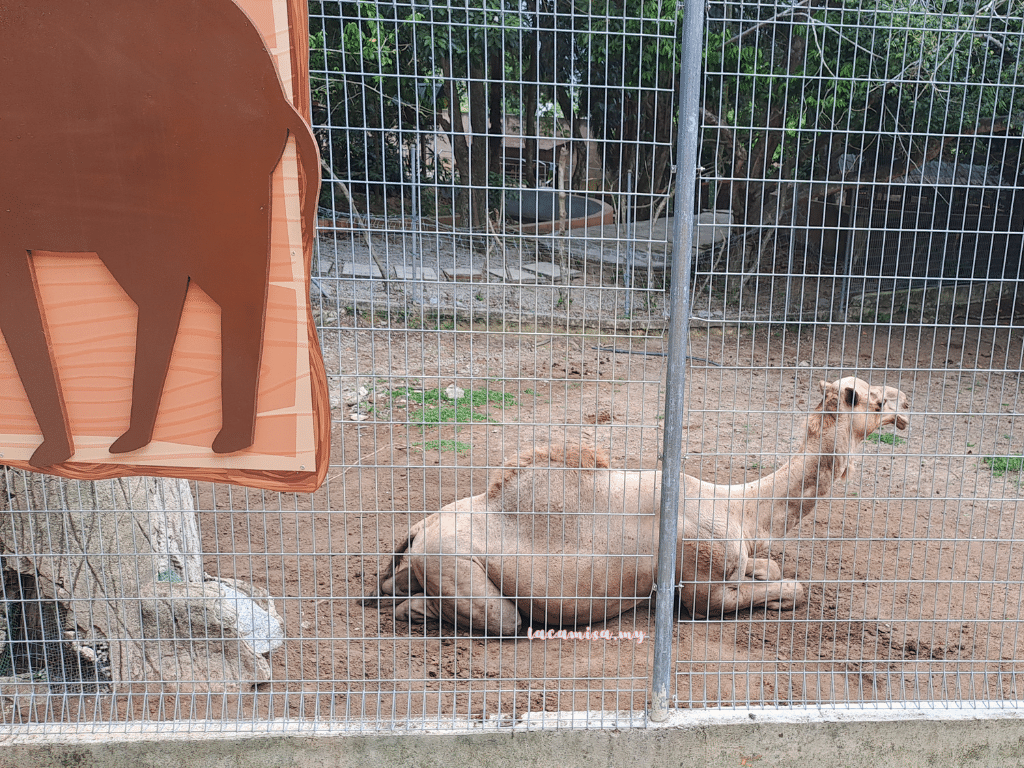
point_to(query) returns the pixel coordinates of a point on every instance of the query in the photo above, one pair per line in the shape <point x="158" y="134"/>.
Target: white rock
<point x="804" y="364"/>
<point x="359" y="417"/>
<point x="255" y="625"/>
<point x="355" y="396"/>
<point x="454" y="393"/>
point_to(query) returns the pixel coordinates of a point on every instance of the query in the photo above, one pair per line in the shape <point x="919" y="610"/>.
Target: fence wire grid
<point x="491" y="287"/>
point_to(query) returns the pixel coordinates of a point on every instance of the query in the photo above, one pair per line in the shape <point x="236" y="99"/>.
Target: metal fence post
<point x="675" y="379"/>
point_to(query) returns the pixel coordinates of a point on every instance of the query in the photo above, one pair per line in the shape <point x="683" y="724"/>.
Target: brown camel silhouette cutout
<point x="146" y="132"/>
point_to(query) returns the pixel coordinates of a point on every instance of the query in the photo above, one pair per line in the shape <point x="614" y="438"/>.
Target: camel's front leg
<point x="790" y="591"/>
<point x="715" y="599"/>
<point x="761" y="584"/>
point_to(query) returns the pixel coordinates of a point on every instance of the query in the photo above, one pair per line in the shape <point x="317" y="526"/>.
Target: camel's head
<point x="870" y="407"/>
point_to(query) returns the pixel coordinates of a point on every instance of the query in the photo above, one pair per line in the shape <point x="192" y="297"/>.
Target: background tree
<point x="821" y="90"/>
<point x="628" y="64"/>
<point x="853" y="93"/>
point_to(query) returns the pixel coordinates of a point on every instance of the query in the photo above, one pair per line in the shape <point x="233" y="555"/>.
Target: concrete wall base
<point x="796" y="737"/>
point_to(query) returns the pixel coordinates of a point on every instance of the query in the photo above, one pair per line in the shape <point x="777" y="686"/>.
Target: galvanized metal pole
<point x="675" y="380"/>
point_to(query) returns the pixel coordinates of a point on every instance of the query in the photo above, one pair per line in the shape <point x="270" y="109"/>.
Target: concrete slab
<point x="548" y="272"/>
<point x="360" y="271"/>
<point x="464" y="275"/>
<point x="519" y="276"/>
<point x="402" y="272"/>
<point x="651" y="240"/>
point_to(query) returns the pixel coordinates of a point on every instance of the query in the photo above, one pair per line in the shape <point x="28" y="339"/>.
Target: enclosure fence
<point x="539" y="283"/>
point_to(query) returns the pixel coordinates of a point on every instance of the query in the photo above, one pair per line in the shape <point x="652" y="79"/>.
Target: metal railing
<point x="523" y="252"/>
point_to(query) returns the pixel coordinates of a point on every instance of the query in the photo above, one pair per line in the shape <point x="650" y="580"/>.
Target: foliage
<point x="446" y="445"/>
<point x="888" y="438"/>
<point x="632" y="53"/>
<point x="442" y="409"/>
<point x="795" y="88"/>
<point x="367" y="86"/>
<point x="1000" y="465"/>
<point x="385" y="73"/>
<point x="813" y="90"/>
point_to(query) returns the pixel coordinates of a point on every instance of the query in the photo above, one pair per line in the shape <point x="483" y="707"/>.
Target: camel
<point x="561" y="538"/>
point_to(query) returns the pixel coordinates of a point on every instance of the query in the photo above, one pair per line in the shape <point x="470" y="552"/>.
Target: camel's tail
<point x="388" y="576"/>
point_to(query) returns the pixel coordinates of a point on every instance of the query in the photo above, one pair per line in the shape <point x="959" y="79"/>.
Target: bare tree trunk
<point x="478" y="162"/>
<point x="496" y="111"/>
<point x="578" y="162"/>
<point x="123" y="560"/>
<point x="529" y="131"/>
<point x="460" y="147"/>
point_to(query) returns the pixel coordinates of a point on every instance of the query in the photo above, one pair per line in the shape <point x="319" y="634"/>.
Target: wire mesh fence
<point x="490" y="287"/>
<point x="868" y="158"/>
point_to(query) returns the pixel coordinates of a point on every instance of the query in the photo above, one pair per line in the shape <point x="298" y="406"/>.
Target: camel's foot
<point x="51" y="452"/>
<point x="401" y="582"/>
<point x="418" y="609"/>
<point x="719" y="599"/>
<point x="131" y="440"/>
<point x="763" y="569"/>
<point x="231" y="440"/>
<point x="790" y="596"/>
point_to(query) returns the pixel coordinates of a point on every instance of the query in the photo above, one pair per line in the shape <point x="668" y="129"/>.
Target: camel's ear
<point x="850" y="396"/>
<point x="823" y="385"/>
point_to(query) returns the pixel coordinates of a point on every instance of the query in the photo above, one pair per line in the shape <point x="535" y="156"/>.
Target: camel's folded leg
<point x="468" y="598"/>
<point x="766" y="587"/>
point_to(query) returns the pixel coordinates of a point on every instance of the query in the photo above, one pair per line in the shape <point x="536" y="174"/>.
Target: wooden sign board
<point x="154" y="167"/>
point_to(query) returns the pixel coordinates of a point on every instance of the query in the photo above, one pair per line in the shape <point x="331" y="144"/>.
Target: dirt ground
<point x="913" y="565"/>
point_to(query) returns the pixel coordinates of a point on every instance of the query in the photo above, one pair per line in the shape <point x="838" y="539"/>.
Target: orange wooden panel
<point x="91" y="325"/>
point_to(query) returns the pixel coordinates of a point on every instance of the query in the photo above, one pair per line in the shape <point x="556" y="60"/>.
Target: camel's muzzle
<point x="896" y="405"/>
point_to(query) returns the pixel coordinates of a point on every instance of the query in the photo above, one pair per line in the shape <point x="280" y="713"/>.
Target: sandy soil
<point x="913" y="565"/>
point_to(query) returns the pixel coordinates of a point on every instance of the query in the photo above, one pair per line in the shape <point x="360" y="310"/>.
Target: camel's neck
<point x="778" y="501"/>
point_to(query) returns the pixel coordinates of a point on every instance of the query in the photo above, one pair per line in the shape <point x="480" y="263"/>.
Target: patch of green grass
<point x="887" y="438"/>
<point x="438" y="408"/>
<point x="472" y="397"/>
<point x="416" y="395"/>
<point x="447" y="414"/>
<point x="480" y="397"/>
<point x="445" y="445"/>
<point x="1000" y="465"/>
